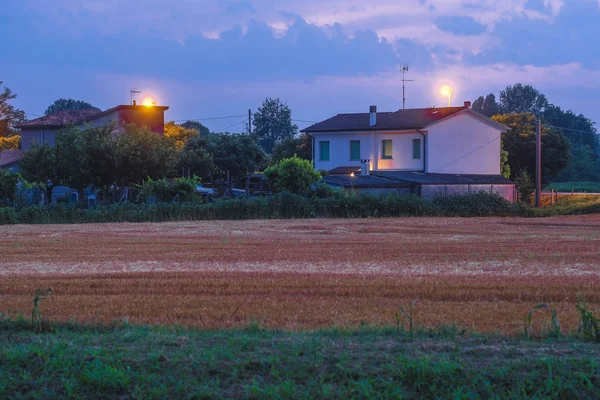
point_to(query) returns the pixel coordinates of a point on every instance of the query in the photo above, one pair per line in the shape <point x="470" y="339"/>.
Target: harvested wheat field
<point x="480" y="274"/>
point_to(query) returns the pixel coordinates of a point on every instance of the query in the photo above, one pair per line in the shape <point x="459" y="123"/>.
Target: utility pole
<point x="404" y="71"/>
<point x="250" y="122"/>
<point x="538" y="163"/>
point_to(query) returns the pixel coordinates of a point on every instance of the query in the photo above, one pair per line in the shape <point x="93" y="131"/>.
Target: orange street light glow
<point x="446" y="91"/>
<point x="149" y="101"/>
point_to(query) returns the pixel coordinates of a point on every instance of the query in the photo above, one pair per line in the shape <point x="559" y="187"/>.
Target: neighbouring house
<point x="9" y="160"/>
<point x="429" y="151"/>
<point x="43" y="129"/>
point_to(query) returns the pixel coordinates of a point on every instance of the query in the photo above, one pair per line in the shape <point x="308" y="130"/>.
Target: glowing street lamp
<point x="446" y="91"/>
<point x="149" y="101"/>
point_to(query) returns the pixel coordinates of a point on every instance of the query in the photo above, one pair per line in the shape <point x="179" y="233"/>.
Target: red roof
<point x="58" y="119"/>
<point x="10" y="157"/>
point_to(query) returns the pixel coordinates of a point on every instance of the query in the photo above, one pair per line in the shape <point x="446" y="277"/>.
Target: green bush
<point x="166" y="190"/>
<point x="525" y="184"/>
<point x="8" y="187"/>
<point x="577" y="187"/>
<point x="8" y="216"/>
<point x="294" y="175"/>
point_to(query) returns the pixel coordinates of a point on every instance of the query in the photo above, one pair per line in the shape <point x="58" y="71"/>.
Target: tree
<point x="39" y="165"/>
<point x="10" y="143"/>
<point x="142" y="154"/>
<point x="237" y="153"/>
<point x="519" y="141"/>
<point x="69" y="104"/>
<point x="522" y="99"/>
<point x="202" y="130"/>
<point x="70" y="159"/>
<point x="478" y="105"/>
<point x="300" y="146"/>
<point x="195" y="158"/>
<point x="504" y="166"/>
<point x="99" y="149"/>
<point x="585" y="166"/>
<point x="273" y="123"/>
<point x="490" y="107"/>
<point x="8" y="187"/>
<point x="525" y="185"/>
<point x="179" y="134"/>
<point x="9" y="115"/>
<point x="293" y="175"/>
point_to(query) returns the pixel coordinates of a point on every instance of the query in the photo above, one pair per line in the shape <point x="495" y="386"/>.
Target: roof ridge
<point x="378" y="112"/>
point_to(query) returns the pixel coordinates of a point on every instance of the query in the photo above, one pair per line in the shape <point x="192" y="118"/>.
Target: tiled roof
<point x="362" y="181"/>
<point x="344" y="170"/>
<point x="59" y="119"/>
<point x="417" y="118"/>
<point x="441" y="179"/>
<point x="10" y="157"/>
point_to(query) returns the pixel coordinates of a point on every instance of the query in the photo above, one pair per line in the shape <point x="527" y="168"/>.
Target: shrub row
<point x="280" y="206"/>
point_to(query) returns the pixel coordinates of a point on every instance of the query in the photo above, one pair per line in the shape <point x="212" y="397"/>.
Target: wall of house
<point x="339" y="150"/>
<point x="110" y="118"/>
<point x="371" y="147"/>
<point x="463" y="144"/>
<point x="31" y="136"/>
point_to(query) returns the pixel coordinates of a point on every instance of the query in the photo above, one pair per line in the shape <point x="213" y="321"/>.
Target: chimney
<point x="373" y="119"/>
<point x="134" y="102"/>
<point x="364" y="167"/>
<point x="467" y="104"/>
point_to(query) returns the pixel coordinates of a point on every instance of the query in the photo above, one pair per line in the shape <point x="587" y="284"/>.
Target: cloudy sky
<point x="211" y="58"/>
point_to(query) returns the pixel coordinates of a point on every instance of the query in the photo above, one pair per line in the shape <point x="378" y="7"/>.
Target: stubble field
<point x="480" y="274"/>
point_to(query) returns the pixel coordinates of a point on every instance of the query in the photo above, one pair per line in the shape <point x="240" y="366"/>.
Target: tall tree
<point x="294" y="146"/>
<point x="522" y="99"/>
<point x="142" y="154"/>
<point x="197" y="126"/>
<point x="237" y="153"/>
<point x="478" y="105"/>
<point x="579" y="129"/>
<point x="273" y="123"/>
<point x="490" y="107"/>
<point x="179" y="134"/>
<point x="39" y="165"/>
<point x="69" y="104"/>
<point x="519" y="141"/>
<point x="9" y="115"/>
<point x="195" y="158"/>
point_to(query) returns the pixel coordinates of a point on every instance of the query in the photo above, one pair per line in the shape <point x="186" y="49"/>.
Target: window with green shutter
<point x="416" y="149"/>
<point x="386" y="149"/>
<point x="355" y="150"/>
<point x="324" y="151"/>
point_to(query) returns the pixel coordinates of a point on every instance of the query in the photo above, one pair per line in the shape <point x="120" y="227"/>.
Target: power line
<point x="209" y="119"/>
<point x="303" y="120"/>
<point x="569" y="129"/>
<point x="234" y="125"/>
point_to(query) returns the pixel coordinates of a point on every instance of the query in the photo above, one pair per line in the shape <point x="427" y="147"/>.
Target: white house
<point x="430" y="151"/>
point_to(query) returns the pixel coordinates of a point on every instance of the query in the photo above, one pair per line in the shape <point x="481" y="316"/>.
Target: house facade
<point x="43" y="129"/>
<point x="425" y="151"/>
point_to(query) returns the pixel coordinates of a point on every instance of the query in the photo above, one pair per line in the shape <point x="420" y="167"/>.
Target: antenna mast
<point x="404" y="71"/>
<point x="131" y="95"/>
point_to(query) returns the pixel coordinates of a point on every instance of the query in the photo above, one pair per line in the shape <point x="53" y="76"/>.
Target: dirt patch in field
<point x="482" y="274"/>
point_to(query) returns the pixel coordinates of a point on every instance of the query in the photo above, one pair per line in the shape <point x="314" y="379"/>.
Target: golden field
<point x="482" y="274"/>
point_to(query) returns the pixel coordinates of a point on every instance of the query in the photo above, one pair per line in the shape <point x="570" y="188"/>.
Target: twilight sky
<point x="211" y="58"/>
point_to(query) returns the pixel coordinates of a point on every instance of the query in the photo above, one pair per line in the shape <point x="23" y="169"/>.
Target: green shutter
<point x="386" y="149"/>
<point x="324" y="151"/>
<point x="416" y="149"/>
<point x="355" y="149"/>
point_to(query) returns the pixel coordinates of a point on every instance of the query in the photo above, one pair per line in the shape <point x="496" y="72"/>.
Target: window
<point x="386" y="149"/>
<point x="324" y="151"/>
<point x="416" y="149"/>
<point x="355" y="150"/>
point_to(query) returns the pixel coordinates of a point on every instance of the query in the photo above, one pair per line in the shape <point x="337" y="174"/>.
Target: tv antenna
<point x="131" y="95"/>
<point x="404" y="71"/>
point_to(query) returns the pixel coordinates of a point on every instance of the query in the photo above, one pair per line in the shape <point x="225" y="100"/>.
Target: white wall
<point x="463" y="144"/>
<point x="339" y="149"/>
<point x="370" y="148"/>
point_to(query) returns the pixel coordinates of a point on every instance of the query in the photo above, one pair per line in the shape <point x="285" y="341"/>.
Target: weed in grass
<point x="36" y="315"/>
<point x="589" y="325"/>
<point x="408" y="315"/>
<point x="553" y="331"/>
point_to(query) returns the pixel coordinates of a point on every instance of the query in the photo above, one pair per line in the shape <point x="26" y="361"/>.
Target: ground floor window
<point x="324" y="150"/>
<point x="355" y="150"/>
<point x="386" y="149"/>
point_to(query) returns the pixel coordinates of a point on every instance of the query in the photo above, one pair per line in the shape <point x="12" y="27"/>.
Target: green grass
<point x="578" y="187"/>
<point x="76" y="361"/>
